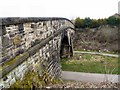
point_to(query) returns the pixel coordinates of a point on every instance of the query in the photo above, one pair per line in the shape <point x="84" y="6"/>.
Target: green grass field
<point x="91" y="64"/>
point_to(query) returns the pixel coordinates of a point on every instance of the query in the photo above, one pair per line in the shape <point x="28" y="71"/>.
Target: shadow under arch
<point x="66" y="49"/>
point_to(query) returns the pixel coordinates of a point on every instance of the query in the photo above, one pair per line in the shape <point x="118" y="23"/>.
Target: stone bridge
<point x="33" y="44"/>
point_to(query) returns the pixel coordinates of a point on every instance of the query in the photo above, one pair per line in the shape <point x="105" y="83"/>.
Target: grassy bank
<point x="91" y="64"/>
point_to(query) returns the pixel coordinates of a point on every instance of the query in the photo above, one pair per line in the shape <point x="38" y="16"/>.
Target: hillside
<point x="103" y="39"/>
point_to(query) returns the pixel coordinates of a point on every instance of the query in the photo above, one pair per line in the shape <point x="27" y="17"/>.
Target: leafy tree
<point x="94" y="23"/>
<point x="113" y="21"/>
<point x="118" y="21"/>
<point x="87" y="22"/>
<point x="102" y="21"/>
<point x="79" y="23"/>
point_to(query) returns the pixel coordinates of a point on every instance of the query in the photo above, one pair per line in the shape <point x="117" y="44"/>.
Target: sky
<point x="59" y="8"/>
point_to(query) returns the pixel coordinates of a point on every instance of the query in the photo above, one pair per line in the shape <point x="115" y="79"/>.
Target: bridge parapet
<point x="30" y="44"/>
<point x="19" y="35"/>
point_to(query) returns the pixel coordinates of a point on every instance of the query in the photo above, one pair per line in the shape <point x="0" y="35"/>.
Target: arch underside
<point x="66" y="49"/>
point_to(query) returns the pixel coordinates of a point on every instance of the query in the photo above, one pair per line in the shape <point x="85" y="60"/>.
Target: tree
<point x="87" y="22"/>
<point x="94" y="23"/>
<point x="113" y="21"/>
<point x="79" y="23"/>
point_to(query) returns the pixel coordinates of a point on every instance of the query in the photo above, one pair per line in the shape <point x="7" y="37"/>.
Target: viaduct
<point x="31" y="43"/>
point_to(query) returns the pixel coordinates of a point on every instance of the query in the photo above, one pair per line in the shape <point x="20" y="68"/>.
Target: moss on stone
<point x="10" y="65"/>
<point x="11" y="61"/>
<point x="32" y="79"/>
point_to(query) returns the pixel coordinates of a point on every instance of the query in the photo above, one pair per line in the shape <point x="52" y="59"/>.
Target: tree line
<point x="94" y="23"/>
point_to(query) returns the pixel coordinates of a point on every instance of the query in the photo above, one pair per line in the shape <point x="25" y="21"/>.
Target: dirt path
<point x="89" y="77"/>
<point x="96" y="53"/>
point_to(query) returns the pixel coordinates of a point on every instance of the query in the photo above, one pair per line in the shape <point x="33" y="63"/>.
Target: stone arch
<point x="66" y="49"/>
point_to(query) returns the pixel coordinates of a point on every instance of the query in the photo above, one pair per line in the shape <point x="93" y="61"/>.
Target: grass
<point x="91" y="64"/>
<point x="34" y="79"/>
<point x="109" y="52"/>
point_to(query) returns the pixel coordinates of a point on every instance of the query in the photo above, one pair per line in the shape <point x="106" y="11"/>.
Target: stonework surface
<point x="24" y="37"/>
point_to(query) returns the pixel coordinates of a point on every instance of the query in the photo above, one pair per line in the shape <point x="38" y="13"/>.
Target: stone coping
<point x="18" y="20"/>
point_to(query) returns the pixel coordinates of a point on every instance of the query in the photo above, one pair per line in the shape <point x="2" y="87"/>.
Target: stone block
<point x="2" y="85"/>
<point x="12" y="81"/>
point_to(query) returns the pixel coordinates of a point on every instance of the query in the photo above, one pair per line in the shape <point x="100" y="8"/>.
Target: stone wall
<point x="32" y="46"/>
<point x="46" y="57"/>
<point x="19" y="38"/>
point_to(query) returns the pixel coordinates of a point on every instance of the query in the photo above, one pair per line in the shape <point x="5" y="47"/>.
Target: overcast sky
<point x="58" y="8"/>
